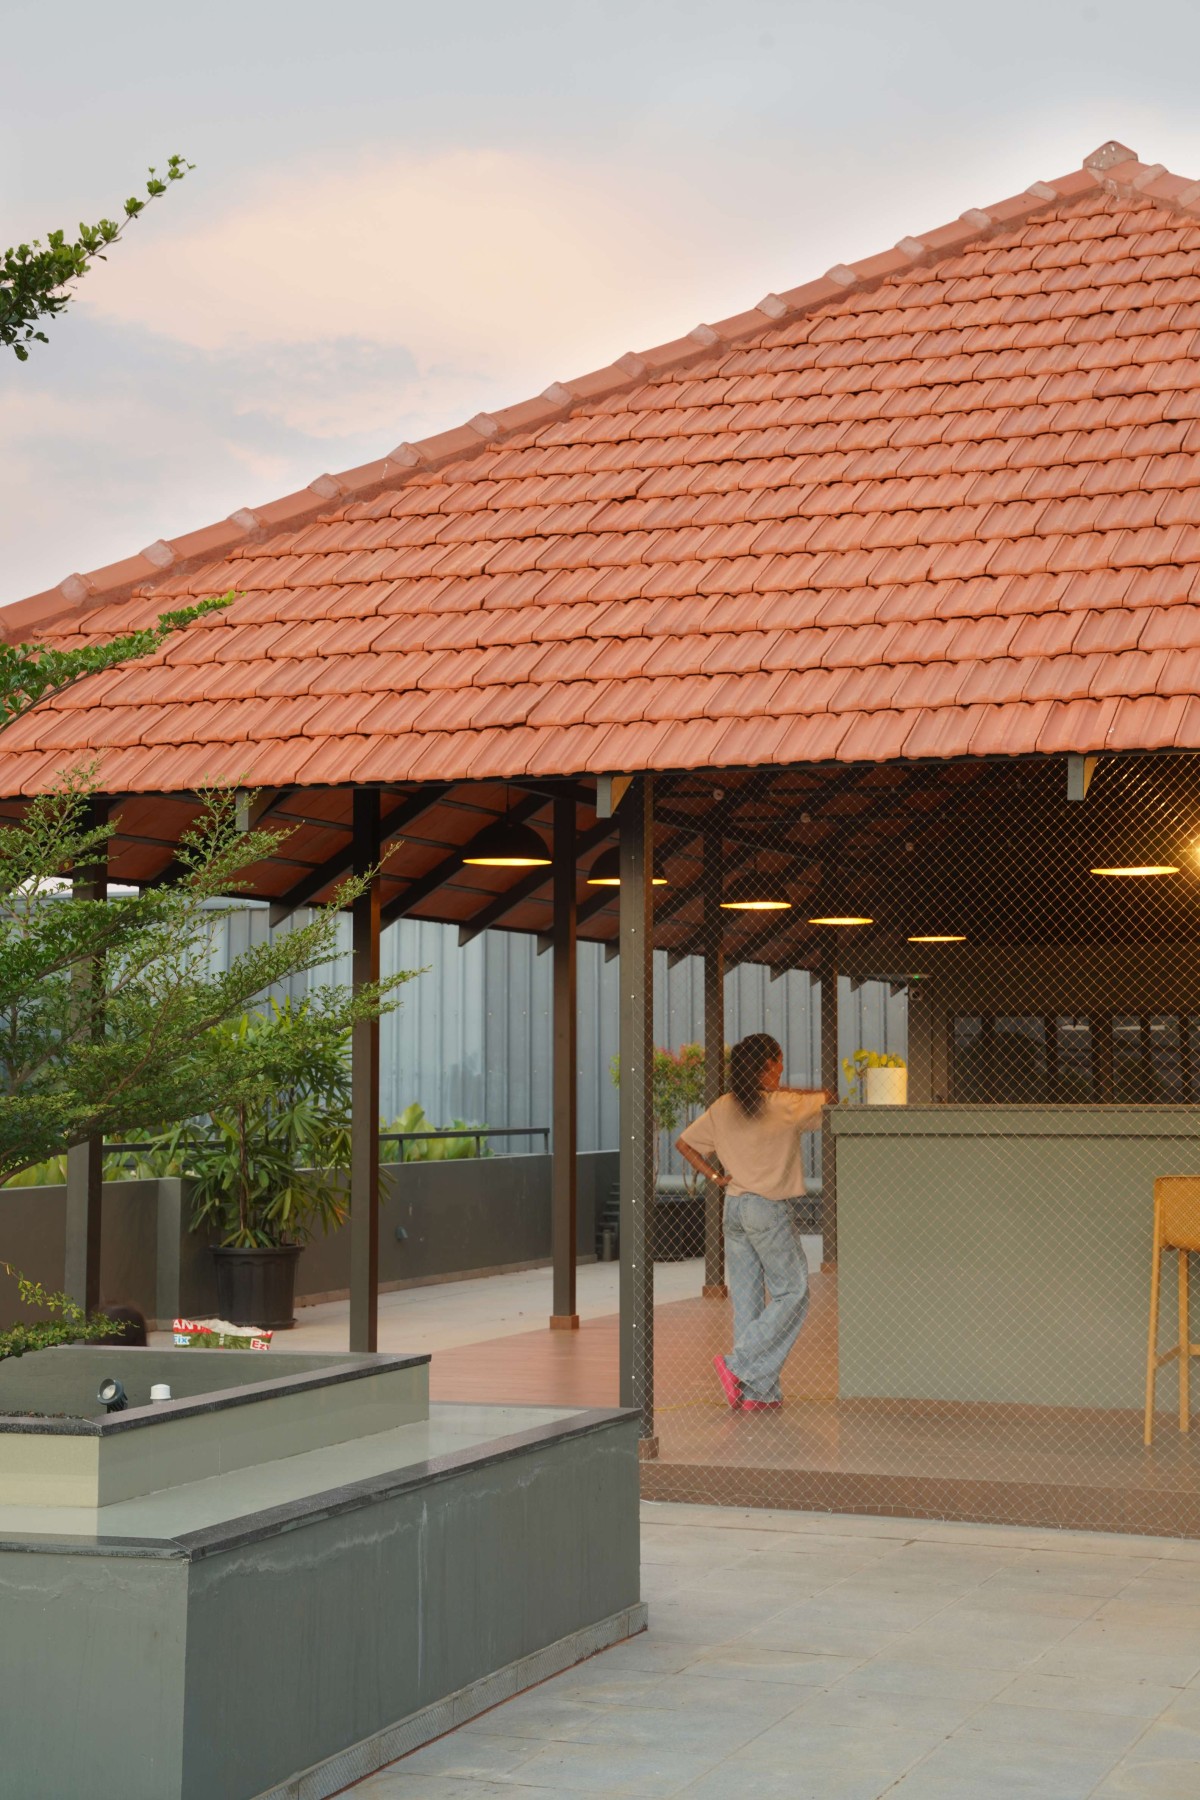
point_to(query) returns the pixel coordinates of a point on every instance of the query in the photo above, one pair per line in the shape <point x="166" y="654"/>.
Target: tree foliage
<point x="35" y="278"/>
<point x="67" y="1324"/>
<point x="264" y="1169"/>
<point x="109" y="1012"/>
<point x="30" y="673"/>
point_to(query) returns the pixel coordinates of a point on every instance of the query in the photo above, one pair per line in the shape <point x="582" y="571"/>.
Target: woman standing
<point x="754" y="1130"/>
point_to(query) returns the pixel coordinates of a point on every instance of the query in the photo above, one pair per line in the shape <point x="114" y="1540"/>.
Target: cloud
<point x="477" y="258"/>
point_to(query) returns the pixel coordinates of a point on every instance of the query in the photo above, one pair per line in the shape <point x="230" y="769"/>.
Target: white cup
<point x="160" y="1391"/>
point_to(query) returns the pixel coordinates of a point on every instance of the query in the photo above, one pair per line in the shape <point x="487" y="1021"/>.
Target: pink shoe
<point x="728" y="1380"/>
<point x="761" y="1405"/>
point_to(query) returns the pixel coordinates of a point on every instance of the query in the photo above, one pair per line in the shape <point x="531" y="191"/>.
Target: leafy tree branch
<point x="35" y="278"/>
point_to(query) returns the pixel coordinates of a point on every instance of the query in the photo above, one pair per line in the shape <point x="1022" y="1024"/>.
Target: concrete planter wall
<point x="458" y="1218"/>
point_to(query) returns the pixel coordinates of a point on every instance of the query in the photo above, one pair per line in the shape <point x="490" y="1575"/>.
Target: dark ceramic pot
<point x="257" y="1287"/>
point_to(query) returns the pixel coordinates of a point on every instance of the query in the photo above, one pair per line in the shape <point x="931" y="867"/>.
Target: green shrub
<point x="70" y="1326"/>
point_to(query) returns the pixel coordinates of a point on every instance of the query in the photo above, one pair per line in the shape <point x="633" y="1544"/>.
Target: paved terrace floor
<point x="800" y="1657"/>
<point x="1013" y="1464"/>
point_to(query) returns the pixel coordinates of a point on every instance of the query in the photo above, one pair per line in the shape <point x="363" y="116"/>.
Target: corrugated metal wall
<point x="472" y="1038"/>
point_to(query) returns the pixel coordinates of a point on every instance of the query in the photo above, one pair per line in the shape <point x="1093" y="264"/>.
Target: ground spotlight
<point x="111" y="1394"/>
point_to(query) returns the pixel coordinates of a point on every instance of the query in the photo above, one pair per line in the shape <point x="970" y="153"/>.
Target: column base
<point x="564" y="1321"/>
<point x="648" y="1449"/>
<point x="714" y="1291"/>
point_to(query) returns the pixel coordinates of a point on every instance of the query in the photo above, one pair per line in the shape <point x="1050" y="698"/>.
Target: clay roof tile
<point x="953" y="489"/>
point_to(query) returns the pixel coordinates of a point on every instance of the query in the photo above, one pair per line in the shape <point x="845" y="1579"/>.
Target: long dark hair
<point x="747" y="1061"/>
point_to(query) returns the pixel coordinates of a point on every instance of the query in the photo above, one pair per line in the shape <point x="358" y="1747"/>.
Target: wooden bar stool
<point x="1176" y="1227"/>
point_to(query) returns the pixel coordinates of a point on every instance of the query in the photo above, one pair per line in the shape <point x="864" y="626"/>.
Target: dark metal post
<point x="1102" y="1056"/>
<point x="364" y="1086"/>
<point x="1185" y="1058"/>
<point x="1050" y="1039"/>
<point x="714" y="1054"/>
<point x="636" y="1107"/>
<point x="830" y="1071"/>
<point x="563" y="1208"/>
<point x="85" y="1161"/>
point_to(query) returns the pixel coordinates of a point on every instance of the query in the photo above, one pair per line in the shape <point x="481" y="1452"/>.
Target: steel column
<point x="1101" y="1028"/>
<point x="636" y="1108"/>
<point x="364" y="1084"/>
<point x="85" y="1161"/>
<point x="714" y="1053"/>
<point x="564" y="1180"/>
<point x="830" y="1072"/>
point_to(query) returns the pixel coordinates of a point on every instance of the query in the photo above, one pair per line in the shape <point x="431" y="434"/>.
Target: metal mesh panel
<point x="973" y="1342"/>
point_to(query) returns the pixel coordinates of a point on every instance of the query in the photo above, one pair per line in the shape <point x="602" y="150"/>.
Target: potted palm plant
<point x="264" y="1173"/>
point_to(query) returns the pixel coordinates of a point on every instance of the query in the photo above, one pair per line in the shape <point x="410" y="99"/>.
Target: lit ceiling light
<point x="756" y="893"/>
<point x="840" y="919"/>
<point x="1140" y="869"/>
<point x="606" y="871"/>
<point x="940" y="938"/>
<point x="507" y="845"/>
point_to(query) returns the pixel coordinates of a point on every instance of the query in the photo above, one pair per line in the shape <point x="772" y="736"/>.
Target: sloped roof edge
<point x="1112" y="166"/>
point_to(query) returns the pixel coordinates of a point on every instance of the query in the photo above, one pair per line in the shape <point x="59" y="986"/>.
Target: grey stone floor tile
<point x="618" y="1772"/>
<point x="1005" y="1721"/>
<point x="1184" y="1709"/>
<point x="1149" y="1781"/>
<point x="828" y="1753"/>
<point x="1167" y="1740"/>
<point x="693" y="1692"/>
<point x="744" y="1661"/>
<point x="966" y="1647"/>
<point x="476" y="1755"/>
<point x="1065" y="1772"/>
<point x="595" y="1684"/>
<point x="711" y="1735"/>
<point x="814" y="1657"/>
<point x="1089" y="1693"/>
<point x="398" y="1783"/>
<point x="797" y="1630"/>
<point x="906" y="1675"/>
<point x="865" y="1709"/>
<point x="1119" y="1661"/>
<point x="541" y="1713"/>
<point x="733" y="1781"/>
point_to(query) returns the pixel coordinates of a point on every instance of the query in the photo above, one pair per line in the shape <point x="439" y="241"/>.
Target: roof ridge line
<point x="1112" y="166"/>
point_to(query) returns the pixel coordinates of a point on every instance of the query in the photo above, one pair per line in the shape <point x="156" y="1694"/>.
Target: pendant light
<point x="1138" y="869"/>
<point x="841" y="919"/>
<point x="946" y="937"/>
<point x="507" y="843"/>
<point x="756" y="893"/>
<point x="606" y="870"/>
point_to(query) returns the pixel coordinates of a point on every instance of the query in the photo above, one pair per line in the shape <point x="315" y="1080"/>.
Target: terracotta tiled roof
<point x="945" y="502"/>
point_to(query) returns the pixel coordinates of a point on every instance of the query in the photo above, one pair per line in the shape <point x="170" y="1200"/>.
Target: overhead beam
<point x="418" y="891"/>
<point x="1080" y="770"/>
<point x="342" y="862"/>
<point x="552" y="788"/>
<point x="250" y="813"/>
<point x="534" y="882"/>
<point x="610" y="791"/>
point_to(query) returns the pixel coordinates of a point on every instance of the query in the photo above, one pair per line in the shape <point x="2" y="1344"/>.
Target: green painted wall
<point x="1003" y="1253"/>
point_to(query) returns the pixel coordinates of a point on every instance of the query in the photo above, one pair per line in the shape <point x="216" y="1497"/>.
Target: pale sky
<point x="403" y="214"/>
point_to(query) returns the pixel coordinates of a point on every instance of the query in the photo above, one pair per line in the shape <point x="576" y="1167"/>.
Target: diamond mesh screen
<point x="978" y="1235"/>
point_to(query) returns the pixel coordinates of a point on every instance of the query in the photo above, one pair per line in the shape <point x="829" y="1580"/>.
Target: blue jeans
<point x="763" y="1253"/>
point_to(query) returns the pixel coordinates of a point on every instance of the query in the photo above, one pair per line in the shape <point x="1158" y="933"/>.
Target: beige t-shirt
<point x="761" y="1155"/>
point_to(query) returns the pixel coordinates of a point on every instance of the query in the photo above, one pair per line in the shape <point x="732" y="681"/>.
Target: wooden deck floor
<point x="1052" y="1466"/>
